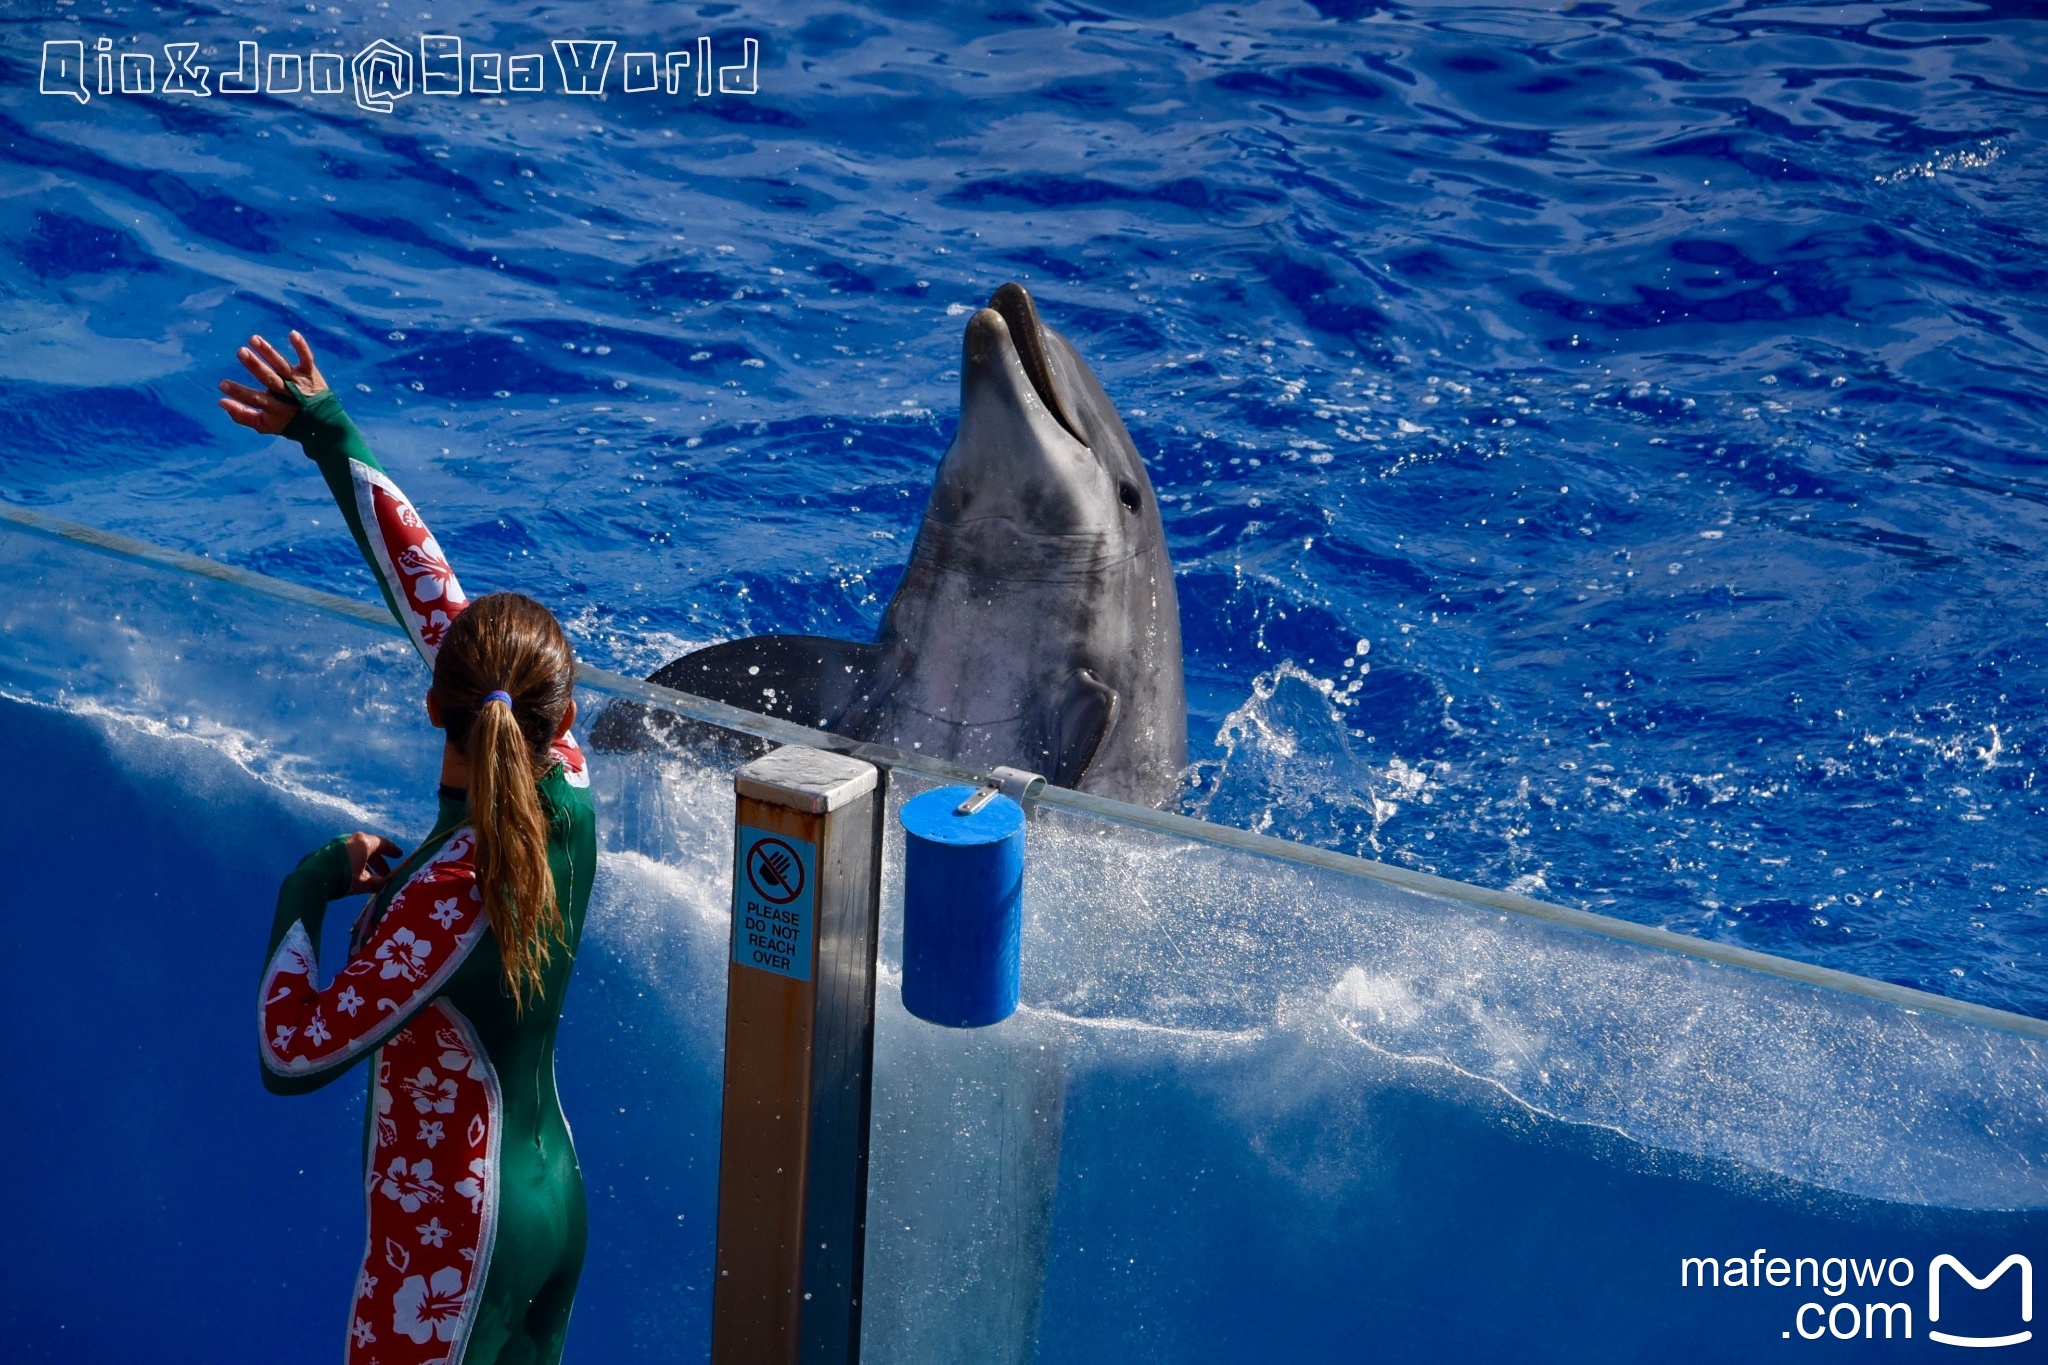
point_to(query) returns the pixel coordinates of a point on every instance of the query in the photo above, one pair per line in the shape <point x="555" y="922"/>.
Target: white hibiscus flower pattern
<point x="433" y="1198"/>
<point x="474" y="1187"/>
<point x="405" y="955"/>
<point x="428" y="1310"/>
<point x="456" y="1058"/>
<point x="412" y="1186"/>
<point x="431" y="1094"/>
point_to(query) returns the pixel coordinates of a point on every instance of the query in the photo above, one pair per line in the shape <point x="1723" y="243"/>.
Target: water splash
<point x="1985" y="152"/>
<point x="1288" y="760"/>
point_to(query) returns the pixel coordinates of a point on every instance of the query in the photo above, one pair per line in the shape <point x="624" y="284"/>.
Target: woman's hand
<point x="369" y="862"/>
<point x="271" y="408"/>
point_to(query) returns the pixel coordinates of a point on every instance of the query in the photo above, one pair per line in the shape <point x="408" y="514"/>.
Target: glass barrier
<point x="1260" y="1103"/>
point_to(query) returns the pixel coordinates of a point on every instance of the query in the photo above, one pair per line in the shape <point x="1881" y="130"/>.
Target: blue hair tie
<point x="505" y="697"/>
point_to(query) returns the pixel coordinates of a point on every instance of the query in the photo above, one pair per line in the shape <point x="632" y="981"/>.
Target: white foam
<point x="283" y="772"/>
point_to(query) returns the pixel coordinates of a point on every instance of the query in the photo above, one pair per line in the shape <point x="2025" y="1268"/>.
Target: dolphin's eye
<point x="1127" y="494"/>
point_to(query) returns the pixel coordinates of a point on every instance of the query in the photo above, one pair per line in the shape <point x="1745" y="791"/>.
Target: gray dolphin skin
<point x="1036" y="625"/>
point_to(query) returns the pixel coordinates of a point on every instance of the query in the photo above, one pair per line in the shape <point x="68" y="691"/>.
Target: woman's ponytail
<point x="503" y="681"/>
<point x="512" y="848"/>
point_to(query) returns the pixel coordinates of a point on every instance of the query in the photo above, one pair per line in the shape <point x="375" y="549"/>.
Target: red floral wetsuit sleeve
<point x="427" y="929"/>
<point x="407" y="559"/>
<point x="418" y="583"/>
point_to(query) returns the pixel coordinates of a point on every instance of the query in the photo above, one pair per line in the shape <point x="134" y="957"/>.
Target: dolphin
<point x="1036" y="627"/>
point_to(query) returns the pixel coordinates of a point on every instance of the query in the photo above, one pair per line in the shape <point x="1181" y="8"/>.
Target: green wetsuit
<point x="477" y="1216"/>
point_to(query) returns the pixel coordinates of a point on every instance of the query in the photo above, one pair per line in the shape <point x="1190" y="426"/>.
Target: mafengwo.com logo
<point x="382" y="73"/>
<point x="1873" y="1298"/>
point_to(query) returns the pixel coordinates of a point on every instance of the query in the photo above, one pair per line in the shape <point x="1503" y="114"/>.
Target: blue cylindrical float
<point x="963" y="905"/>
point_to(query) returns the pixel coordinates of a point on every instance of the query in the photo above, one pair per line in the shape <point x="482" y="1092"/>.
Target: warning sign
<point x="774" y="903"/>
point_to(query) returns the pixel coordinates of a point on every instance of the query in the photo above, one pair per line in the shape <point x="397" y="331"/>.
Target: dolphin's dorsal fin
<point x="1086" y="715"/>
<point x="809" y="679"/>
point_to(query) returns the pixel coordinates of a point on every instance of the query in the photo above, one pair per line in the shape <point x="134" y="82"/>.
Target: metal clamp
<point x="1017" y="784"/>
<point x="977" y="800"/>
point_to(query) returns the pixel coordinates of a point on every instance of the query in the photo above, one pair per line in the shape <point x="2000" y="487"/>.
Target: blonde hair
<point x="510" y="644"/>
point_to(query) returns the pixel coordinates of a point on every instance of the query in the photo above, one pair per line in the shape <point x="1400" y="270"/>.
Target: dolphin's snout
<point x="1015" y="467"/>
<point x="987" y="334"/>
<point x="1027" y="334"/>
<point x="1003" y="362"/>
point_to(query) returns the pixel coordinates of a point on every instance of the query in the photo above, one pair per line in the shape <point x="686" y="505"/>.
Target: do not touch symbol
<point x="775" y="871"/>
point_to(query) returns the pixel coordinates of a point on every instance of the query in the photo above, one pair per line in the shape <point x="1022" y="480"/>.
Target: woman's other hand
<point x="270" y="409"/>
<point x="369" y="862"/>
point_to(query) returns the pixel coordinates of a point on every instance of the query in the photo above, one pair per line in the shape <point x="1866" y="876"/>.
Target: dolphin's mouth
<point x="1013" y="304"/>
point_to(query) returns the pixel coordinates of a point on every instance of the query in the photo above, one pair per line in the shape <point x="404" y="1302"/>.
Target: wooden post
<point x="799" y="1060"/>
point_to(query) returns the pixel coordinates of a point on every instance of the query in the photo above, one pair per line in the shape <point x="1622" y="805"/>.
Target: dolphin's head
<point x="1036" y="622"/>
<point x="1040" y="453"/>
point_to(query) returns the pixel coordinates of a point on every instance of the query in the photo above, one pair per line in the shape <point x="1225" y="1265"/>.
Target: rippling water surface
<point x="1602" y="449"/>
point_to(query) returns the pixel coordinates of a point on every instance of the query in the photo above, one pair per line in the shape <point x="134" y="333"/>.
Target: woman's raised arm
<point x="294" y="401"/>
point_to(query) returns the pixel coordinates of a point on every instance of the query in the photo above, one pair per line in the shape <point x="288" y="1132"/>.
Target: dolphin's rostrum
<point x="1036" y="625"/>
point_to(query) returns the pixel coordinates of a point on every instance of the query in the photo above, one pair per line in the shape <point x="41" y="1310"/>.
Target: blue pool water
<point x="1654" y="390"/>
